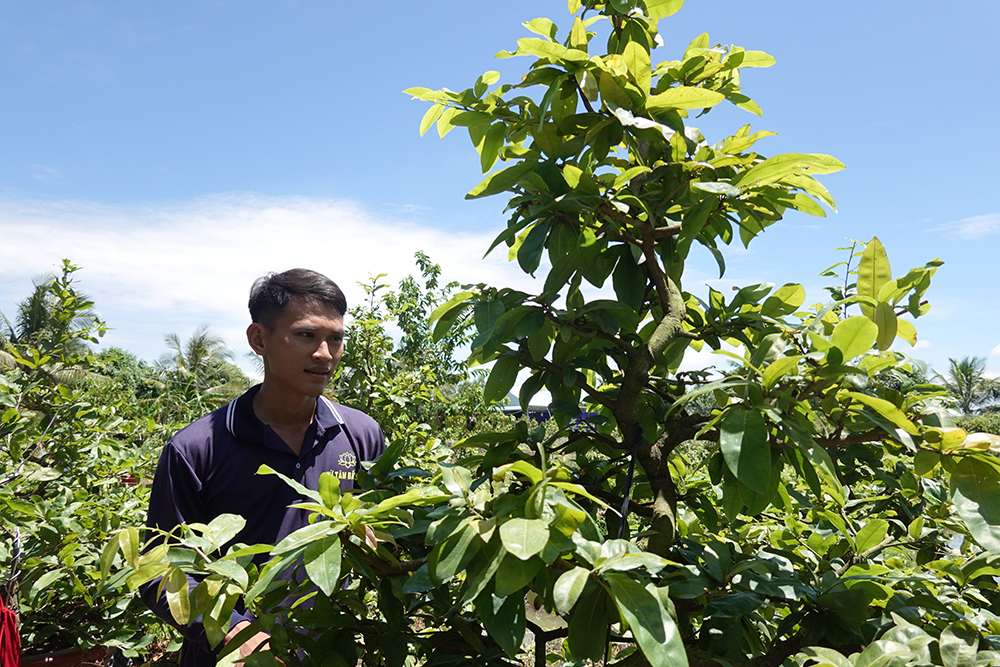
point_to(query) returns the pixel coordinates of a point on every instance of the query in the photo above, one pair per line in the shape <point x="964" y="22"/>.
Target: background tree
<point x="64" y="451"/>
<point x="410" y="378"/>
<point x="967" y="382"/>
<point x="197" y="376"/>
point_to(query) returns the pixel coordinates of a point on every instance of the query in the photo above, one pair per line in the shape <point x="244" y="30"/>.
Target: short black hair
<point x="271" y="293"/>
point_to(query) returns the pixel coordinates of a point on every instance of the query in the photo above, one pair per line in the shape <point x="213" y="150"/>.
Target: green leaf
<point x="329" y="490"/>
<point x="308" y="493"/>
<point x="887" y="410"/>
<point x="306" y="535"/>
<point x="623" y="178"/>
<point x="556" y="53"/>
<point x="629" y="280"/>
<point x="430" y="116"/>
<point x="108" y="557"/>
<point x="743" y="439"/>
<point x="513" y="574"/>
<point x="20" y="506"/>
<point x="498" y="181"/>
<point x="636" y="59"/>
<point x="176" y="587"/>
<point x="525" y="468"/>
<point x="906" y="331"/>
<point x="873" y="273"/>
<point x="44" y="582"/>
<point x="128" y="539"/>
<point x="659" y="9"/>
<point x="684" y="97"/>
<point x="502" y="378"/>
<point x="449" y="304"/>
<point x="652" y="627"/>
<point x="871" y="535"/>
<point x="230" y="569"/>
<point x="568" y="588"/>
<point x="959" y="643"/>
<point x="492" y="144"/>
<point x="454" y="554"/>
<point x="530" y="252"/>
<point x="779" y="368"/>
<point x="322" y="560"/>
<point x="886" y="321"/>
<point x="504" y="619"/>
<point x="976" y="496"/>
<point x="224" y="528"/>
<point x="588" y="625"/>
<point x="854" y="336"/>
<point x="524" y="537"/>
<point x="543" y="27"/>
<point x="776" y="168"/>
<point x="757" y="59"/>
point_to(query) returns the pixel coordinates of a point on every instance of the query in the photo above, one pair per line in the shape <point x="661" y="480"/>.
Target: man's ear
<point x="255" y="336"/>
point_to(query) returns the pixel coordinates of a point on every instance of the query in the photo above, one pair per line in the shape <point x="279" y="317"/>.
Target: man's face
<point x="304" y="348"/>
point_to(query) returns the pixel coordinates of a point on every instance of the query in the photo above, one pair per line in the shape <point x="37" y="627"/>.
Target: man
<point x="209" y="467"/>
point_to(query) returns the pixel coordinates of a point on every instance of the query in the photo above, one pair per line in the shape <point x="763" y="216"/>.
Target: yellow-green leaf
<point x="779" y="368"/>
<point x="430" y="116"/>
<point x="637" y="60"/>
<point x="871" y="535"/>
<point x="176" y="586"/>
<point x="854" y="336"/>
<point x="873" y="273"/>
<point x="886" y="409"/>
<point x="885" y="320"/>
<point x="684" y="97"/>
<point x="906" y="331"/>
<point x="659" y="9"/>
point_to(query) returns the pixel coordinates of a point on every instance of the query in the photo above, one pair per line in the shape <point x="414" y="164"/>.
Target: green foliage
<point x="814" y="504"/>
<point x="64" y="456"/>
<point x="986" y="423"/>
<point x="417" y="379"/>
<point x="195" y="377"/>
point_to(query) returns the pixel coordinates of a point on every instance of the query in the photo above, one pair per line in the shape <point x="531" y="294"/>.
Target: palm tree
<point x="198" y="373"/>
<point x="967" y="382"/>
<point x="55" y="319"/>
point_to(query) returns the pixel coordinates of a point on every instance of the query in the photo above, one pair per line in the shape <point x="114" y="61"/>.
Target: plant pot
<point x="70" y="657"/>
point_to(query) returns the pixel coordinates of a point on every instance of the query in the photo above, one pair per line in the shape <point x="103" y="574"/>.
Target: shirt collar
<point x="243" y="424"/>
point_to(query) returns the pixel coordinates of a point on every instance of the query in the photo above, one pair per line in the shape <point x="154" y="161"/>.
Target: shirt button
<point x="298" y="465"/>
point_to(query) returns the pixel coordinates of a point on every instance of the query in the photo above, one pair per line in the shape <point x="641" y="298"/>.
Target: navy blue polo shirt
<point x="209" y="468"/>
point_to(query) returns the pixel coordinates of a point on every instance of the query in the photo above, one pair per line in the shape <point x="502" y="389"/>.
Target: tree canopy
<point x="814" y="505"/>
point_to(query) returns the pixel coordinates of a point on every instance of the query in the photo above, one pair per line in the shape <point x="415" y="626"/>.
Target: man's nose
<point x="323" y="351"/>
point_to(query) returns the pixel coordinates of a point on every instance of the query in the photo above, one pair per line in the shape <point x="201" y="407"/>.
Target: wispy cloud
<point x="923" y="345"/>
<point x="969" y="229"/>
<point x="44" y="174"/>
<point x="995" y="352"/>
<point x="159" y="269"/>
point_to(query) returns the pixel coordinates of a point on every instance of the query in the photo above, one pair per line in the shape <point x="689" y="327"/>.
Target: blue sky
<point x="178" y="150"/>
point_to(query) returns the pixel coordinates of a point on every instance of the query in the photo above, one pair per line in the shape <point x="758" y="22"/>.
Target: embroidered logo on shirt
<point x="347" y="460"/>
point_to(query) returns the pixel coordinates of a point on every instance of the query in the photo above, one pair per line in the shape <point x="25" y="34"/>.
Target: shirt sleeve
<point x="176" y="498"/>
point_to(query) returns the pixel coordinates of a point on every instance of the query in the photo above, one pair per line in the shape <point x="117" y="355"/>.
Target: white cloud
<point x="995" y="351"/>
<point x="973" y="228"/>
<point x="923" y="345"/>
<point x="154" y="270"/>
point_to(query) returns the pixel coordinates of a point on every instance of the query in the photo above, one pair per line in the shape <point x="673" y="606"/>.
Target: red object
<point x="10" y="640"/>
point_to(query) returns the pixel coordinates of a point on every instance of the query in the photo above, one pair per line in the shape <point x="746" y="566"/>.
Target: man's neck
<point x="288" y="416"/>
